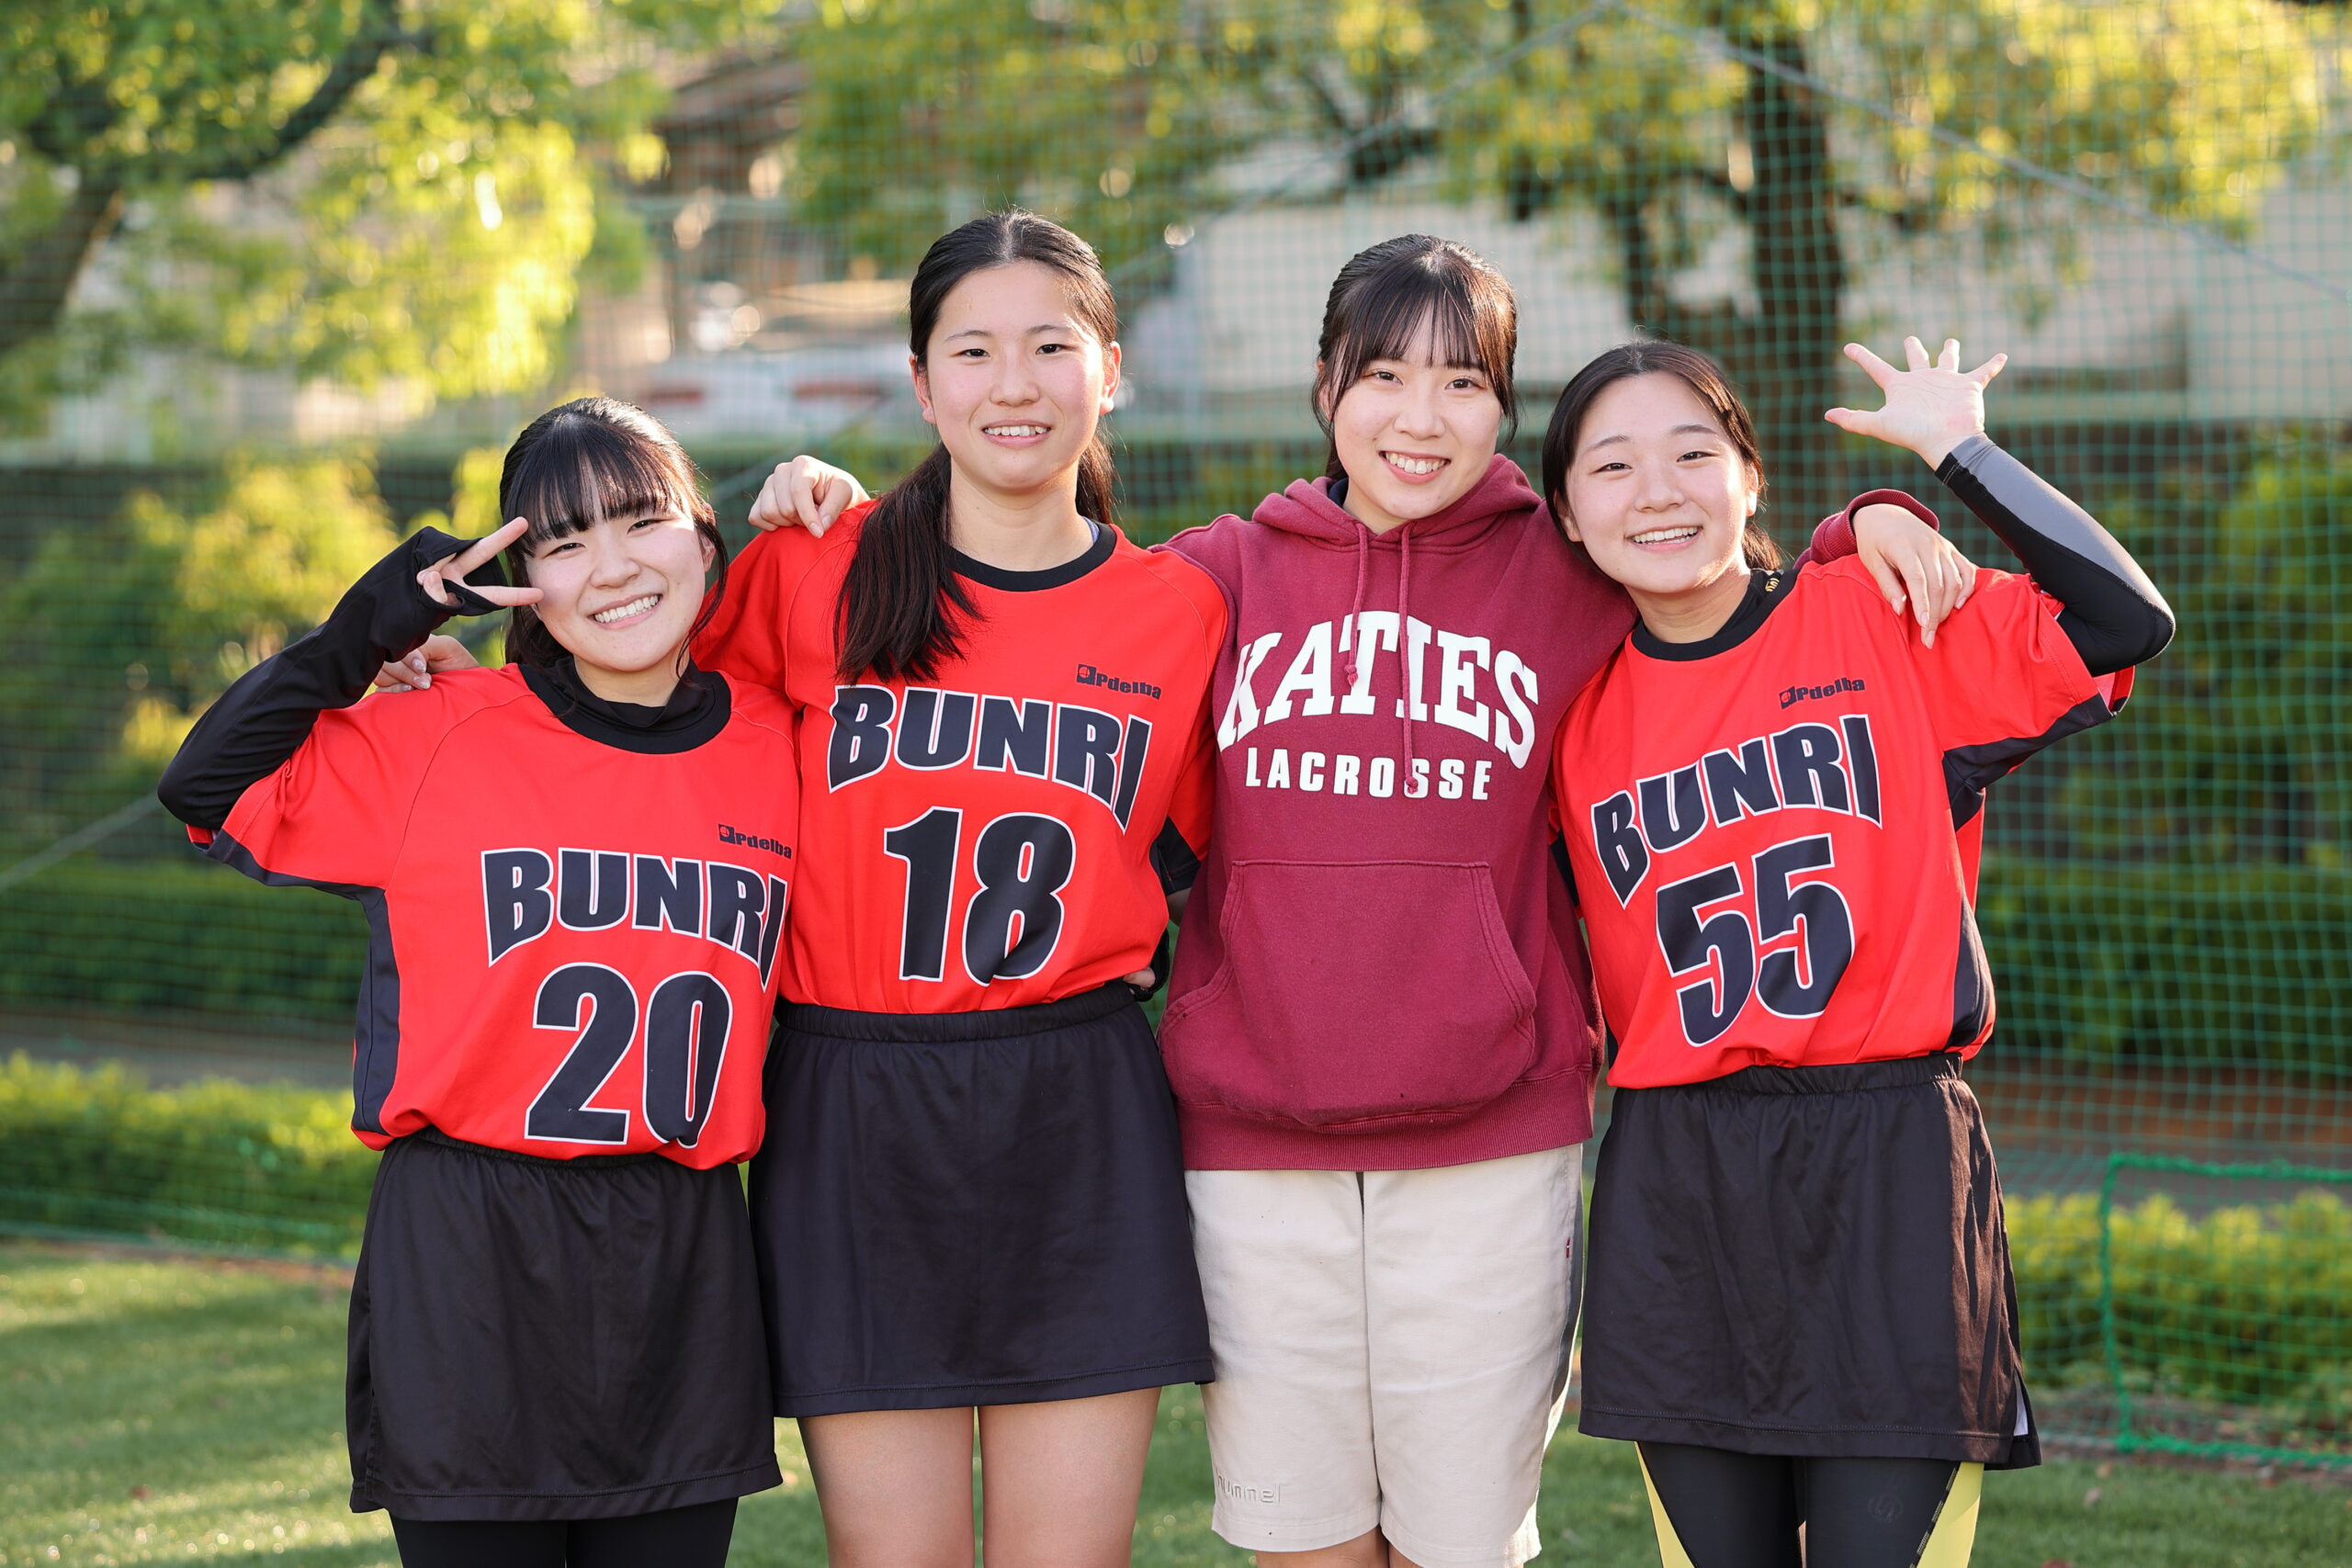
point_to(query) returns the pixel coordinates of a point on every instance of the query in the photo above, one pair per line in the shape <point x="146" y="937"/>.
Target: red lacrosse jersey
<point x="571" y="946"/>
<point x="1774" y="835"/>
<point x="985" y="839"/>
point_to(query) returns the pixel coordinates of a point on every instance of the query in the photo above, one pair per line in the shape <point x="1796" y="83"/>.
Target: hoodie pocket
<point x="1355" y="992"/>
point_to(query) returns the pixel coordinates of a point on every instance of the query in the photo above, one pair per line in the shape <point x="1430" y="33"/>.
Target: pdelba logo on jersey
<point x="926" y="728"/>
<point x="527" y="893"/>
<point x="1448" y="678"/>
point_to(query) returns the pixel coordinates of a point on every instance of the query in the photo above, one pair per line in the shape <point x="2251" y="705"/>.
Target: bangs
<point x="1469" y="319"/>
<point x="583" y="470"/>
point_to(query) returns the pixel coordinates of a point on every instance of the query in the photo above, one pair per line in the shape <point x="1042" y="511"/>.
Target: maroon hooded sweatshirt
<point x="1380" y="968"/>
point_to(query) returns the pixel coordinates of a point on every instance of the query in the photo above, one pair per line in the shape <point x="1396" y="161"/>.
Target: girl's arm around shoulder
<point x="1898" y="539"/>
<point x="748" y="631"/>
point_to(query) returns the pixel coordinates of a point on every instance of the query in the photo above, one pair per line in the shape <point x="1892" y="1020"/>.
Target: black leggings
<point x="1721" y="1509"/>
<point x="696" y="1537"/>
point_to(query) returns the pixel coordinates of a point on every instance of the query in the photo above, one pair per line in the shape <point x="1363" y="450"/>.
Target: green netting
<point x="279" y="282"/>
<point x="2224" y="1331"/>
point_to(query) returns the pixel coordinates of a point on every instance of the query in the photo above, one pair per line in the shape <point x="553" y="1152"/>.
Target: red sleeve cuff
<point x="1835" y="536"/>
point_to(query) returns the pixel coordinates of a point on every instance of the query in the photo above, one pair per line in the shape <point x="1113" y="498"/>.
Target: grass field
<point x="162" y="1410"/>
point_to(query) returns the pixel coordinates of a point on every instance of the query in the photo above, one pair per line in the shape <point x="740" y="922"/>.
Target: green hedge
<point x="2251" y="1303"/>
<point x="2220" y="963"/>
<point x="2248" y="1304"/>
<point x="166" y="935"/>
<point x="221" y="1164"/>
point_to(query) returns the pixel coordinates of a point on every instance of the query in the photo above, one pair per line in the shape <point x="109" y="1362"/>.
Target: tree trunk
<point x="33" y="292"/>
<point x="1788" y="363"/>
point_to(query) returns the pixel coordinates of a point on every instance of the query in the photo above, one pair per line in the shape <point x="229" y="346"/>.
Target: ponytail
<point x="1759" y="550"/>
<point x="901" y="601"/>
<point x="896" y="601"/>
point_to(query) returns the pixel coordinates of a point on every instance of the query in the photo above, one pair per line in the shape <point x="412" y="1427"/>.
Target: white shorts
<point x="1391" y="1349"/>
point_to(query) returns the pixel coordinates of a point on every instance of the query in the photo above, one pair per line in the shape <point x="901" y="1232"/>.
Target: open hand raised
<point x="1930" y="408"/>
<point x="435" y="579"/>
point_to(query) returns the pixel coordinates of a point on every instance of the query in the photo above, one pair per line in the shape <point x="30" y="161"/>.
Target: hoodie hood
<point x="1307" y="508"/>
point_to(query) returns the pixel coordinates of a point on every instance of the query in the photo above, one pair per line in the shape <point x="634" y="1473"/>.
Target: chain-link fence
<point x="279" y="282"/>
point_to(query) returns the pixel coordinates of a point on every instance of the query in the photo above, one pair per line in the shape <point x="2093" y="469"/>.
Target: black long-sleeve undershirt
<point x="2112" y="613"/>
<point x="263" y="719"/>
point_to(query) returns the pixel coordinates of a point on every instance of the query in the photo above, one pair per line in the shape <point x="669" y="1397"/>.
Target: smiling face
<point x="622" y="594"/>
<point x="1657" y="491"/>
<point x="1014" y="380"/>
<point x="1414" y="434"/>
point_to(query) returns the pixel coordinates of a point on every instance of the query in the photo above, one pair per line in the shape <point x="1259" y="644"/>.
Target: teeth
<point x="1415" y="465"/>
<point x="1664" y="535"/>
<point x="1016" y="429"/>
<point x="623" y="612"/>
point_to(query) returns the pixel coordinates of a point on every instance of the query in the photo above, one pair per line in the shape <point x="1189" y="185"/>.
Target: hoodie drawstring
<point x="1355" y="611"/>
<point x="1404" y="630"/>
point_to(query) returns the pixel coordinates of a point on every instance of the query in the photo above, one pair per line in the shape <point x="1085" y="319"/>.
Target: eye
<point x="1610" y="467"/>
<point x="1467" y="384"/>
<point x="1055" y="348"/>
<point x="1380" y="375"/>
<point x="1700" y="452"/>
<point x="969" y="353"/>
<point x="555" y="549"/>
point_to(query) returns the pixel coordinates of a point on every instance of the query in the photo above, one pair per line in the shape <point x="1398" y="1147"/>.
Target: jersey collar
<point x="1767" y="591"/>
<point x="697" y="710"/>
<point x="1106" y="540"/>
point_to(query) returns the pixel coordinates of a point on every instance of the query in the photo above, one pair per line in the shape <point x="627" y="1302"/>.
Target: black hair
<point x="900" y="595"/>
<point x="1707" y="383"/>
<point x="582" y="462"/>
<point x="1384" y="297"/>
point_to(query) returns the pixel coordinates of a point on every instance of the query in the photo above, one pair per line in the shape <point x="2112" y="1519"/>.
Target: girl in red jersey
<point x="970" y="1210"/>
<point x="575" y="872"/>
<point x="1799" y="1288"/>
<point x="1381" y="1029"/>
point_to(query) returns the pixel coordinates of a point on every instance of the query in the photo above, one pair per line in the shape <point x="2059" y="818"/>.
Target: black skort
<point x="553" y="1339"/>
<point x="1806" y="1262"/>
<point x="975" y="1208"/>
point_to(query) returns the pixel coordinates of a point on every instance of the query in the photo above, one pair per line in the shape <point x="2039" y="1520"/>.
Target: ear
<point x="709" y="551"/>
<point x="1110" y="359"/>
<point x="1325" y="404"/>
<point x="1567" y="519"/>
<point x="1755" y="488"/>
<point x="922" y="387"/>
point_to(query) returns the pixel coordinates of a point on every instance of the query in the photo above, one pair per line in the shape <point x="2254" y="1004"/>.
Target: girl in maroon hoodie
<point x="1380" y="1028"/>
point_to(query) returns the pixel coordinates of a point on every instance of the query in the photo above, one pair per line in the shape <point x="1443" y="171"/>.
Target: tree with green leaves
<point x="921" y="114"/>
<point x="118" y="634"/>
<point x="1668" y="121"/>
<point x="417" y="193"/>
<point x="1672" y="119"/>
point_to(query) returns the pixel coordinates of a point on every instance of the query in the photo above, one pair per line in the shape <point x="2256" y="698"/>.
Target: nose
<point x="1659" y="489"/>
<point x="1419" y="414"/>
<point x="1015" y="381"/>
<point x="611" y="563"/>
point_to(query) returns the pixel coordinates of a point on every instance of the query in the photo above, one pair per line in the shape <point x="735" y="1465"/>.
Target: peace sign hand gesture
<point x="1930" y="408"/>
<point x="444" y="580"/>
